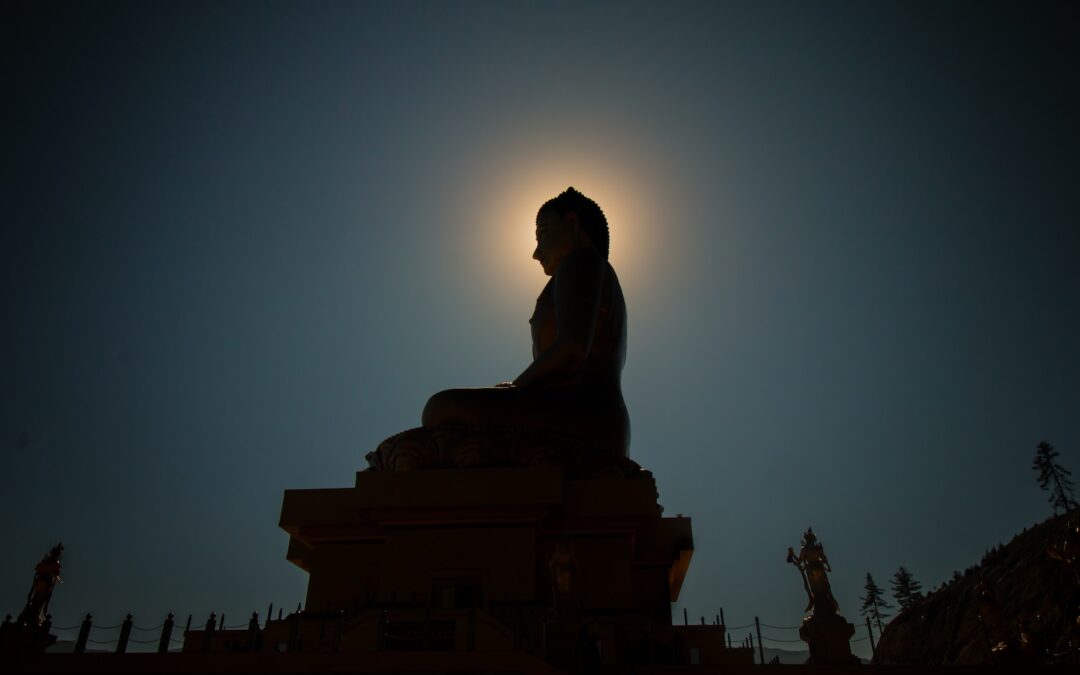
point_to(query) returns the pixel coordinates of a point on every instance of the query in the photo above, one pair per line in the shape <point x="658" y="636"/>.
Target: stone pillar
<point x="828" y="636"/>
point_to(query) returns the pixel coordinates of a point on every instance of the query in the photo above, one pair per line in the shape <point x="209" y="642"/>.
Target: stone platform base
<point x="573" y="565"/>
<point x="828" y="636"/>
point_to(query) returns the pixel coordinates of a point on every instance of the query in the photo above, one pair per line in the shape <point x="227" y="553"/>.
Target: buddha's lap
<point x="569" y="407"/>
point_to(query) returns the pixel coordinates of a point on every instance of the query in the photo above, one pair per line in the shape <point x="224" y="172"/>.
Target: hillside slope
<point x="1018" y="593"/>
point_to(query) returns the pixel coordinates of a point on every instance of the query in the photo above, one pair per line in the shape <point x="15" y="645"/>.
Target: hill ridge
<point x="1019" y="604"/>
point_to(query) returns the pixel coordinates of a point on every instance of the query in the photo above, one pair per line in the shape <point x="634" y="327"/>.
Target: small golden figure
<point x="813" y="566"/>
<point x="46" y="576"/>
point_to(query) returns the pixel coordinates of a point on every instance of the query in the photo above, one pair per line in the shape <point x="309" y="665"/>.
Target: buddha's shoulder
<point x="583" y="263"/>
<point x="587" y="265"/>
<point x="586" y="255"/>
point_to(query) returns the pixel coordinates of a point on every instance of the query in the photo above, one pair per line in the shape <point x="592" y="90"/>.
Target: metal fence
<point x="757" y="639"/>
<point x="128" y="636"/>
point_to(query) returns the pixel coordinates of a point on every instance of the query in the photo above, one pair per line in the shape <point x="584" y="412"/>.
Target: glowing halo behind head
<point x="513" y="194"/>
<point x="495" y="189"/>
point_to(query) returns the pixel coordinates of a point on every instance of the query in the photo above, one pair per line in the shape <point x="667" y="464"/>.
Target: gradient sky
<point x="244" y="242"/>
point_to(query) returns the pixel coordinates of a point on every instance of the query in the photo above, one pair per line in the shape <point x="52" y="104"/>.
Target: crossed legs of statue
<point x="593" y="416"/>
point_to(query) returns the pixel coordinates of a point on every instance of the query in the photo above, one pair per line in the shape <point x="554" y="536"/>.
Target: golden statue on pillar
<point x="814" y="566"/>
<point x="825" y="631"/>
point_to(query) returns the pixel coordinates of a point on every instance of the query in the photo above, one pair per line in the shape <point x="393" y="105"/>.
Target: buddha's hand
<point x="504" y="385"/>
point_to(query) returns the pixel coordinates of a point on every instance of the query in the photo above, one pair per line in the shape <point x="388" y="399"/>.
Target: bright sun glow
<point x="515" y="184"/>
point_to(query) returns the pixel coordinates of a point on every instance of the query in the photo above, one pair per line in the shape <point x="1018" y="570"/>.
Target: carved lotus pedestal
<point x="566" y="567"/>
<point x="828" y="636"/>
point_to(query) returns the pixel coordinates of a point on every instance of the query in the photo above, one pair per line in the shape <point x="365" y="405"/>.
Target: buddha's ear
<point x="571" y="219"/>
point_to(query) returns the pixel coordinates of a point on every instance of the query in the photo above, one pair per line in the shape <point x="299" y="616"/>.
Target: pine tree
<point x="906" y="590"/>
<point x="1053" y="477"/>
<point x="873" y="603"/>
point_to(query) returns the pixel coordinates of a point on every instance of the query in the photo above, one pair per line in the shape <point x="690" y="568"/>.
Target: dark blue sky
<point x="243" y="243"/>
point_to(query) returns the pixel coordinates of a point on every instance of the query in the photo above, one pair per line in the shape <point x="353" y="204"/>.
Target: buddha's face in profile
<point x="556" y="236"/>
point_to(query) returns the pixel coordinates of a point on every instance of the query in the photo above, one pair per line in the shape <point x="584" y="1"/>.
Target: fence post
<point x="166" y="635"/>
<point x="380" y="634"/>
<point x="471" y="642"/>
<point x="425" y="640"/>
<point x="760" y="644"/>
<point x="685" y="621"/>
<point x="254" y="637"/>
<point x="294" y="633"/>
<point x="208" y="634"/>
<point x="125" y="634"/>
<point x="84" y="633"/>
<point x="339" y="630"/>
<point x="750" y="639"/>
<point x="870" y="631"/>
<point x="269" y="615"/>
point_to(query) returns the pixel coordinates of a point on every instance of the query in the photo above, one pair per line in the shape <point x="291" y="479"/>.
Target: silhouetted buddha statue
<point x="572" y="389"/>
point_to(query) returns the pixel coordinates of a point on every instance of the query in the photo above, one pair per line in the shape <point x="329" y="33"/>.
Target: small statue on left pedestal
<point x="46" y="576"/>
<point x="30" y="632"/>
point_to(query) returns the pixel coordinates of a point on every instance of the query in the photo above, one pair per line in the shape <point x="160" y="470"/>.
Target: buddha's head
<point x="566" y="223"/>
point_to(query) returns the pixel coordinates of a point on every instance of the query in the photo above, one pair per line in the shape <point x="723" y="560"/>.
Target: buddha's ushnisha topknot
<point x="589" y="214"/>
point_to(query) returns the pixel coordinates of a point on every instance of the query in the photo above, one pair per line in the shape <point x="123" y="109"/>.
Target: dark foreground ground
<point x="386" y="663"/>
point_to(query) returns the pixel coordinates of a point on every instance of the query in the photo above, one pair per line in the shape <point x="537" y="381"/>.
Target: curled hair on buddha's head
<point x="590" y="216"/>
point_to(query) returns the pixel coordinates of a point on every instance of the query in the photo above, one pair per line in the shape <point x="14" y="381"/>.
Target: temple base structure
<point x="568" y="574"/>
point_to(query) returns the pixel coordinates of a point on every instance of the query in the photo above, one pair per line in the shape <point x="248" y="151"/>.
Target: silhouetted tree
<point x="1053" y="477"/>
<point x="906" y="590"/>
<point x="873" y="603"/>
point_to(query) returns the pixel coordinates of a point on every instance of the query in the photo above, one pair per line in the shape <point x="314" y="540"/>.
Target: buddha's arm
<point x="577" y="288"/>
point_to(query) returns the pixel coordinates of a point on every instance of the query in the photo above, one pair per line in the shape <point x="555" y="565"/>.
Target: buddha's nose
<point x="536" y="253"/>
